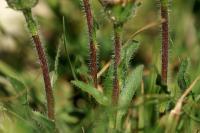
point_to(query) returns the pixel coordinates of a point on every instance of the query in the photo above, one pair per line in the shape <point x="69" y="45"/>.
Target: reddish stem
<point x="93" y="54"/>
<point x="165" y="43"/>
<point x="45" y="71"/>
<point x="117" y="50"/>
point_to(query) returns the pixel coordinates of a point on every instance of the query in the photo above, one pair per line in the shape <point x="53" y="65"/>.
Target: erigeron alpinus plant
<point x="123" y="84"/>
<point x="25" y="7"/>
<point x="119" y="82"/>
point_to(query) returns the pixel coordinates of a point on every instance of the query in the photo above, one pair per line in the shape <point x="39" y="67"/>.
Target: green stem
<point x="32" y="26"/>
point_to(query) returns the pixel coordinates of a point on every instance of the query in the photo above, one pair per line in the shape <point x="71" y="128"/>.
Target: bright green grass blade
<point x="66" y="51"/>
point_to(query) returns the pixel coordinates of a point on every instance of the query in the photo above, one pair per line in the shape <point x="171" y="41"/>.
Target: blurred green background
<point x="18" y="56"/>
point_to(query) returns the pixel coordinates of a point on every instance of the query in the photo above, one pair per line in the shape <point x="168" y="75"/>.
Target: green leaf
<point x="183" y="77"/>
<point x="99" y="97"/>
<point x="108" y="82"/>
<point x="7" y="70"/>
<point x="133" y="82"/>
<point x="128" y="51"/>
<point x="120" y="12"/>
<point x="20" y="89"/>
<point x="66" y="50"/>
<point x="46" y="124"/>
<point x="24" y="127"/>
<point x="56" y="65"/>
<point x="17" y="124"/>
<point x="20" y="103"/>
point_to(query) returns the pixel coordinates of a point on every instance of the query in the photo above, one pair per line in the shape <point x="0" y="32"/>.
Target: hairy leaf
<point x="43" y="122"/>
<point x="183" y="78"/>
<point x="99" y="97"/>
<point x="132" y="84"/>
<point x="56" y="66"/>
<point x="19" y="88"/>
<point x="108" y="82"/>
<point x="128" y="51"/>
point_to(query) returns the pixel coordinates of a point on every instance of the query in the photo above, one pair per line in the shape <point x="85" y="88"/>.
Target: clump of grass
<point x="25" y="8"/>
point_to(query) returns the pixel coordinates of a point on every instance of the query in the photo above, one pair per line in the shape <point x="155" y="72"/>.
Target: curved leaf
<point x="99" y="97"/>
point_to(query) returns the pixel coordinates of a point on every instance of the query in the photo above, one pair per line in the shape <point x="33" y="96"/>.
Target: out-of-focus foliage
<point x="22" y="97"/>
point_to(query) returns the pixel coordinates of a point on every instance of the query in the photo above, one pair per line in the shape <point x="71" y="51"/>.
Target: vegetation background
<point x="74" y="111"/>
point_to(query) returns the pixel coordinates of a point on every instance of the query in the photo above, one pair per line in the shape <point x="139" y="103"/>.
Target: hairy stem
<point x="93" y="50"/>
<point x="165" y="42"/>
<point x="117" y="50"/>
<point x="32" y="26"/>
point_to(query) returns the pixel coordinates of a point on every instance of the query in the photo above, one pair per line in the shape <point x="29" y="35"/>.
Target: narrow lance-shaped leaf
<point x="17" y="124"/>
<point x="5" y="69"/>
<point x="20" y="100"/>
<point x="56" y="65"/>
<point x="108" y="82"/>
<point x="133" y="82"/>
<point x="65" y="42"/>
<point x="183" y="78"/>
<point x="19" y="88"/>
<point x="46" y="124"/>
<point x="99" y="97"/>
<point x="128" y="51"/>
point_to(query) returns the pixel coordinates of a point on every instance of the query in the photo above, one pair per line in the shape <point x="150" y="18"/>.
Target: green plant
<point x="25" y="8"/>
<point x="118" y="14"/>
<point x="120" y="93"/>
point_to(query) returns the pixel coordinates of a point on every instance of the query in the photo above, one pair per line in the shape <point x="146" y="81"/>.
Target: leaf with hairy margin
<point x="183" y="77"/>
<point x="43" y="122"/>
<point x="99" y="97"/>
<point x="128" y="51"/>
<point x="133" y="82"/>
<point x="108" y="82"/>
